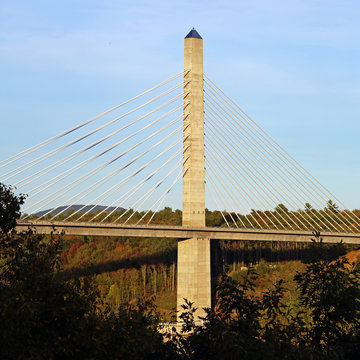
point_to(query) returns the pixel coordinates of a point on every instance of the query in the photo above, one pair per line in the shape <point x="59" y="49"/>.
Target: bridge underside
<point x="181" y="233"/>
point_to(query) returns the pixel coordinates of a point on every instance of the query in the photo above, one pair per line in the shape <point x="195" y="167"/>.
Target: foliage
<point x="230" y="330"/>
<point x="279" y="217"/>
<point x="44" y="315"/>
<point x="330" y="291"/>
<point x="9" y="208"/>
<point x="332" y="207"/>
<point x="281" y="208"/>
<point x="48" y="313"/>
<point x="326" y="325"/>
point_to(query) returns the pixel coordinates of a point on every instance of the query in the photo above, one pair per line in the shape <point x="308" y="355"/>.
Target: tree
<point x="45" y="315"/>
<point x="281" y="208"/>
<point x="330" y="291"/>
<point x="243" y="326"/>
<point x="331" y="207"/>
<point x="9" y="208"/>
<point x="308" y="208"/>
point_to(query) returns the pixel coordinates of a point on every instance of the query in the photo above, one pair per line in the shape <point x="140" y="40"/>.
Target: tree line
<point x="278" y="218"/>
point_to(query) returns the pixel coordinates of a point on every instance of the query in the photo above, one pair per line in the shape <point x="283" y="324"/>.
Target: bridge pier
<point x="194" y="274"/>
<point x="194" y="270"/>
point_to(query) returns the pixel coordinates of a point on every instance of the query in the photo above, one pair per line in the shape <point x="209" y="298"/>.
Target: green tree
<point x="281" y="208"/>
<point x="44" y="315"/>
<point x="243" y="326"/>
<point x="308" y="208"/>
<point x="332" y="207"/>
<point x="330" y="291"/>
<point x="9" y="208"/>
<point x="230" y="330"/>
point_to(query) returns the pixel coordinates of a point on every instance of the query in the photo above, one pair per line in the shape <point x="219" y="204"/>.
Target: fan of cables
<point x="119" y="166"/>
<point x="255" y="182"/>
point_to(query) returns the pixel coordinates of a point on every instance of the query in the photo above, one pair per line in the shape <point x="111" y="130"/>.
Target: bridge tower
<point x="194" y="271"/>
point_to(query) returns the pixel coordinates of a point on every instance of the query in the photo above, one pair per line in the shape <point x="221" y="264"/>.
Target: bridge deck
<point x="180" y="232"/>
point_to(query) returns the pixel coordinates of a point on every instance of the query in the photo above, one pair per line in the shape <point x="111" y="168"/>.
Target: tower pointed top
<point x="193" y="34"/>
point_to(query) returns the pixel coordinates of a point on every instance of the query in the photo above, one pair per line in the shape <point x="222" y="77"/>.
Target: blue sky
<point x="294" y="66"/>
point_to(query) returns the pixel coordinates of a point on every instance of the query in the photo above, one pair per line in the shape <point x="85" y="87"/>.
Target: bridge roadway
<point x="180" y="232"/>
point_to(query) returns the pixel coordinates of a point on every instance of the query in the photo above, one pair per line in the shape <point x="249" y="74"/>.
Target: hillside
<point x="93" y="209"/>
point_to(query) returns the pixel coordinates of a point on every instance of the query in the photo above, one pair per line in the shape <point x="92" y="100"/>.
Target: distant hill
<point x="75" y="208"/>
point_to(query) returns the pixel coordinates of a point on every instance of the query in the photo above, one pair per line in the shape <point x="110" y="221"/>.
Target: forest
<point x="91" y="298"/>
<point x="125" y="269"/>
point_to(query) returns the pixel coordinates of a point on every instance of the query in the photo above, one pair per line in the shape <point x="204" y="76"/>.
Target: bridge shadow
<point x="223" y="257"/>
<point x="254" y="256"/>
<point x="160" y="258"/>
<point x="243" y="255"/>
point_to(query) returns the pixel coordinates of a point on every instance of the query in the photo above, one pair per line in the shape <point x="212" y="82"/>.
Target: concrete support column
<point x="194" y="270"/>
<point x="194" y="179"/>
<point x="194" y="277"/>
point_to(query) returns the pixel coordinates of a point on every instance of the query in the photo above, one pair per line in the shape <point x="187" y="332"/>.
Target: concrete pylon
<point x="194" y="272"/>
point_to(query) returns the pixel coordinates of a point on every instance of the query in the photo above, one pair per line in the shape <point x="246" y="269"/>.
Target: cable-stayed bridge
<point x="183" y="143"/>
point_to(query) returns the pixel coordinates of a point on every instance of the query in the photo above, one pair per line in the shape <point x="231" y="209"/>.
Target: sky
<point x="294" y="66"/>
